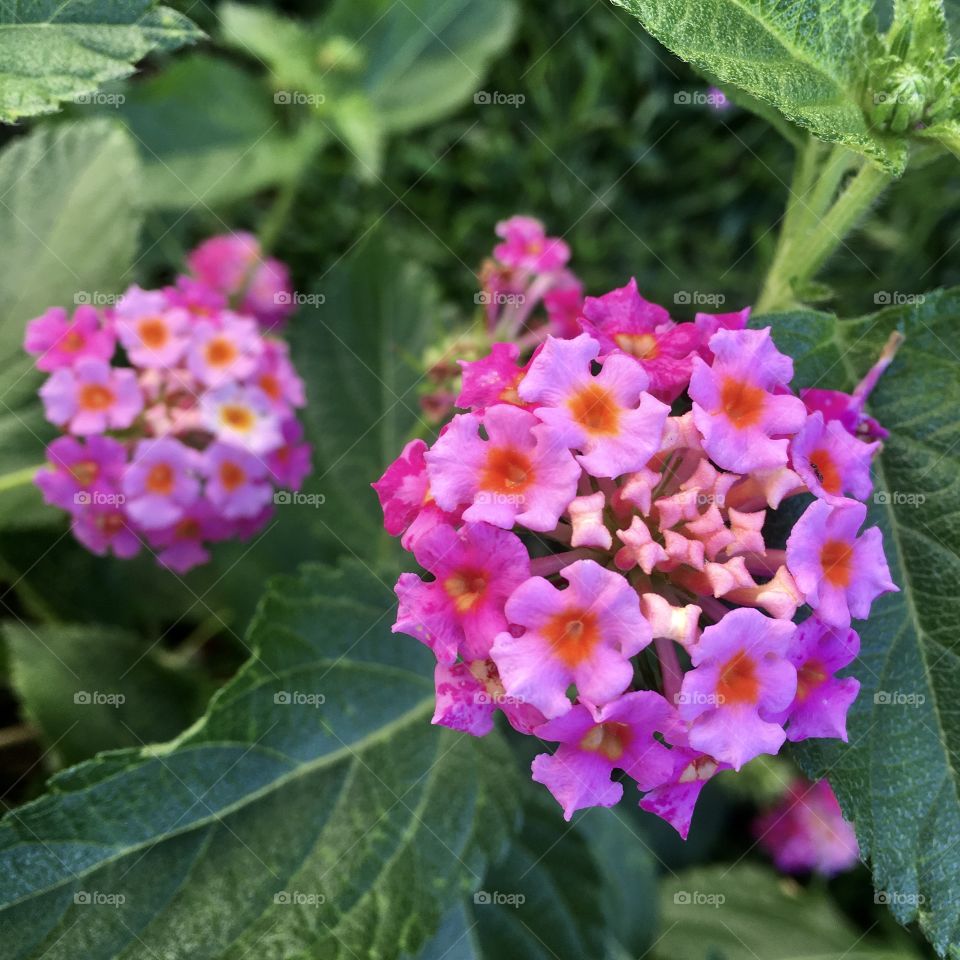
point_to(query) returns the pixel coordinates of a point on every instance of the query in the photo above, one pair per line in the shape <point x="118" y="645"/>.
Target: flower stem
<point x="18" y="478"/>
<point x="818" y="219"/>
<point x="670" y="670"/>
<point x="555" y="562"/>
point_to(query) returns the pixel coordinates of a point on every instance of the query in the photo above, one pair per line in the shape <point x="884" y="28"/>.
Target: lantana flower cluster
<point x="600" y="559"/>
<point x="177" y="406"/>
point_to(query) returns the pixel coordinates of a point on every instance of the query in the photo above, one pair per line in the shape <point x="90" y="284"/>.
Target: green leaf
<point x="361" y="356"/>
<point x="56" y="50"/>
<point x="68" y="228"/>
<point x="743" y="912"/>
<point x="96" y="688"/>
<point x="314" y="810"/>
<point x="897" y="778"/>
<point x="946" y="133"/>
<point x="208" y="150"/>
<point x="544" y="900"/>
<point x="808" y="59"/>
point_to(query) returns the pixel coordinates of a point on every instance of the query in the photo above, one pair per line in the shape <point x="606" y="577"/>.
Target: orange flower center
<point x="826" y="470"/>
<point x="465" y="588"/>
<point x="270" y="386"/>
<point x="643" y="346"/>
<point x="188" y="529"/>
<point x="153" y="333"/>
<point x="741" y="402"/>
<point x="508" y="470"/>
<point x="160" y="479"/>
<point x="95" y="396"/>
<point x="72" y="341"/>
<point x="220" y="351"/>
<point x="836" y="558"/>
<point x="232" y="476"/>
<point x="608" y="739"/>
<point x="809" y="677"/>
<point x="237" y="416"/>
<point x="85" y="472"/>
<point x="596" y="410"/>
<point x="738" y="681"/>
<point x="572" y="635"/>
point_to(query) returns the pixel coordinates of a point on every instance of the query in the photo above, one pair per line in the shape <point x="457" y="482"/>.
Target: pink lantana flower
<point x="527" y="247"/>
<point x="594" y="743"/>
<point x="583" y="635"/>
<point x="822" y="701"/>
<point x="839" y="573"/>
<point x="745" y="424"/>
<point x="831" y="461"/>
<point x="152" y="332"/>
<point x="242" y="416"/>
<point x="59" y="342"/>
<point x="161" y="482"/>
<point x="79" y="470"/>
<point x="237" y="483"/>
<point x="675" y="799"/>
<point x="709" y="323"/>
<point x="807" y="832"/>
<point x="290" y="463"/>
<point x="404" y="488"/>
<point x="741" y="678"/>
<point x="181" y="546"/>
<point x="92" y="397"/>
<point x="225" y="352"/>
<point x="608" y="417"/>
<point x="623" y="321"/>
<point x="276" y="377"/>
<point x="522" y="473"/>
<point x="461" y="610"/>
<point x="468" y="694"/>
<point x="564" y="303"/>
<point x="492" y="380"/>
<point x="103" y="529"/>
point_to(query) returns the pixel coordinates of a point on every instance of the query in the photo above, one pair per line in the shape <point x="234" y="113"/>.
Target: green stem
<point x="818" y="219"/>
<point x="18" y="478"/>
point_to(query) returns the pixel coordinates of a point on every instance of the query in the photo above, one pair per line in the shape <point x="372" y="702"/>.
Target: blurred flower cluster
<point x="177" y="406"/>
<point x="603" y="543"/>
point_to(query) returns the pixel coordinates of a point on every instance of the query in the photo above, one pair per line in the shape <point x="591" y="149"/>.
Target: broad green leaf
<point x="946" y="133"/>
<point x="360" y="353"/>
<point x="544" y="900"/>
<point x="314" y="810"/>
<point x="69" y="219"/>
<point x="808" y="59"/>
<point x="56" y="50"/>
<point x="89" y="689"/>
<point x="897" y="778"/>
<point x="743" y="912"/>
<point x="208" y="150"/>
